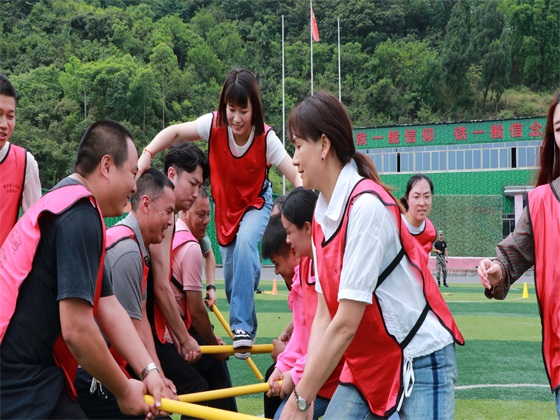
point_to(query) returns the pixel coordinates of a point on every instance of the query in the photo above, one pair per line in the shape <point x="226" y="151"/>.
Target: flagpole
<point x="283" y="108"/>
<point x="311" y="39"/>
<point x="339" y="86"/>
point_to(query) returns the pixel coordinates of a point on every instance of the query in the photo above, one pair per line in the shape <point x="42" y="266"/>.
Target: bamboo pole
<point x="225" y="393"/>
<point x="256" y="349"/>
<point x="198" y="411"/>
<point x="224" y="323"/>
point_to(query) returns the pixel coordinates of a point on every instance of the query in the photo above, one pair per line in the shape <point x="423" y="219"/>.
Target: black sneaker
<point x="445" y="284"/>
<point x="241" y="338"/>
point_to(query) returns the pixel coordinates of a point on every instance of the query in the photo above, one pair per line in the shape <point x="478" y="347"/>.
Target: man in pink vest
<point x="127" y="262"/>
<point x="51" y="267"/>
<point x="187" y="287"/>
<point x="20" y="186"/>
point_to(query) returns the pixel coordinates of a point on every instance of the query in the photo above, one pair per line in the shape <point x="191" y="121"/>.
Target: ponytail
<point x="366" y="168"/>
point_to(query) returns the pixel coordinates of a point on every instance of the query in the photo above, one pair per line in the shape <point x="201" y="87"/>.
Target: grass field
<point x="501" y="372"/>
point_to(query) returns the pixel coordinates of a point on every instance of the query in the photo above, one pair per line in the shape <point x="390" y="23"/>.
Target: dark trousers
<point x="216" y="374"/>
<point x="101" y="404"/>
<point x="271" y="404"/>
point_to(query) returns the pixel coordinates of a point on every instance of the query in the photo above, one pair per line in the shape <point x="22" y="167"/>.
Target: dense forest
<point x="151" y="63"/>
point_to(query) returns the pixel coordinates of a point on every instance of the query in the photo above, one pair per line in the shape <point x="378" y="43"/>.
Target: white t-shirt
<point x="32" y="184"/>
<point x="275" y="151"/>
<point x="413" y="229"/>
<point x="373" y="241"/>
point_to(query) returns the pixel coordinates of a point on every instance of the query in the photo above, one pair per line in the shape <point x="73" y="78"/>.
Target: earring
<point x="322" y="158"/>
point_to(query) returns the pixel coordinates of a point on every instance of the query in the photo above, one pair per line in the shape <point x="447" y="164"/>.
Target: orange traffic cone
<point x="274" y="288"/>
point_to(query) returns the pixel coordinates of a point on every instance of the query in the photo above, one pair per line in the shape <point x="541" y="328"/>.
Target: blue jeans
<point x="432" y="397"/>
<point x="319" y="407"/>
<point x="348" y="403"/>
<point x="242" y="267"/>
<point x="433" y="394"/>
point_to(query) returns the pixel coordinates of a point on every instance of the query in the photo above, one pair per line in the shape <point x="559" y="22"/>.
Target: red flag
<point x="314" y="27"/>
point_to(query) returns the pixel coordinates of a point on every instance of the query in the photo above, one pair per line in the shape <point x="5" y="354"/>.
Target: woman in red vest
<point x="378" y="305"/>
<point x="241" y="148"/>
<point x="534" y="243"/>
<point x="417" y="202"/>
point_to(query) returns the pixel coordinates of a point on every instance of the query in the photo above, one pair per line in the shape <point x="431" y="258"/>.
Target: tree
<point x="164" y="65"/>
<point x="455" y="57"/>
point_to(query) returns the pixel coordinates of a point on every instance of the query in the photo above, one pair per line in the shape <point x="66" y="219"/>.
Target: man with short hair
<point x="186" y="278"/>
<point x="53" y="300"/>
<point x="440" y="248"/>
<point x="19" y="173"/>
<point x="127" y="262"/>
<point x="187" y="167"/>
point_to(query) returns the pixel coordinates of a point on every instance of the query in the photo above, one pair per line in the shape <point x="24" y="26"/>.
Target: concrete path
<point x="267" y="274"/>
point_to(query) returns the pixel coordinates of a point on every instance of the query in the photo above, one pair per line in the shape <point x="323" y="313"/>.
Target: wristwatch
<point x="302" y="405"/>
<point x="147" y="370"/>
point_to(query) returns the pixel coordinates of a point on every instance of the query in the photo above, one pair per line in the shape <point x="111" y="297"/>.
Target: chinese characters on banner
<point x="448" y="134"/>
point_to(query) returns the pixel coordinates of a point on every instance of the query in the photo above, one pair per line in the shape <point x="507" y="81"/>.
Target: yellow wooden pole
<point x="256" y="349"/>
<point x="225" y="393"/>
<point x="224" y="323"/>
<point x="198" y="411"/>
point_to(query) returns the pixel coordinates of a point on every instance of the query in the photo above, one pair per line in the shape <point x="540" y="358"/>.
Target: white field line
<point x="476" y="301"/>
<point x="462" y="387"/>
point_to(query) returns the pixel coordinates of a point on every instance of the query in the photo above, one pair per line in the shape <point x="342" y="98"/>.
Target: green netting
<point x="472" y="224"/>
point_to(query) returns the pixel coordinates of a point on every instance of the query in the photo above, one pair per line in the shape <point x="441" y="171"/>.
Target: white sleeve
<point x="318" y="287"/>
<point x="275" y="151"/>
<point x="32" y="185"/>
<point x="204" y="126"/>
<point x="370" y="233"/>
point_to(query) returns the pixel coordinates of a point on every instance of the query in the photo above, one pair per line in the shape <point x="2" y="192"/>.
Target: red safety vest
<point x="182" y="237"/>
<point x="307" y="282"/>
<point x="544" y="214"/>
<point x="12" y="180"/>
<point x="427" y="237"/>
<point x="16" y="261"/>
<point x="374" y="358"/>
<point x="114" y="235"/>
<point x="237" y="182"/>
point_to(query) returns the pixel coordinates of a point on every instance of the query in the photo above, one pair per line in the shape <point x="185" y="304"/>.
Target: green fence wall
<point x="468" y="206"/>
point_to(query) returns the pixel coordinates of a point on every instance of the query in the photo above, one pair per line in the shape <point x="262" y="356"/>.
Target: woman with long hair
<point x="534" y="242"/>
<point x="241" y="147"/>
<point x="378" y="306"/>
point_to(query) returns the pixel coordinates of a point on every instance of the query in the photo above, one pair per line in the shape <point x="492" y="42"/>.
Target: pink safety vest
<point x="374" y="358"/>
<point x="544" y="214"/>
<point x="181" y="237"/>
<point x="12" y="180"/>
<point x="16" y="261"/>
<point x="114" y="235"/>
<point x="237" y="182"/>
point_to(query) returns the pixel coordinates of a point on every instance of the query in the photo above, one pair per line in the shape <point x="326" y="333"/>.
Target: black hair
<point x="299" y="206"/>
<point x="104" y="137"/>
<point x="186" y="156"/>
<point x="274" y="238"/>
<point x="239" y="88"/>
<point x="151" y="183"/>
<point x="6" y="87"/>
<point x="410" y="185"/>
